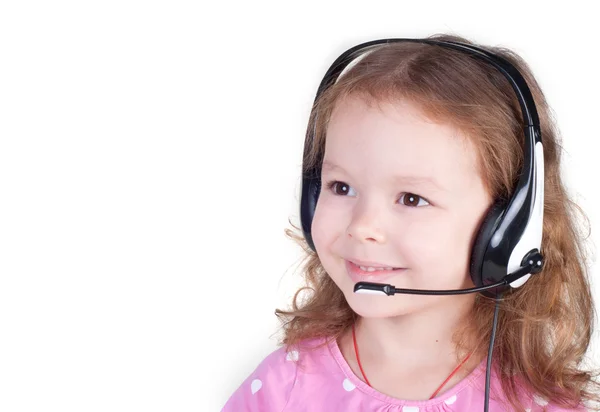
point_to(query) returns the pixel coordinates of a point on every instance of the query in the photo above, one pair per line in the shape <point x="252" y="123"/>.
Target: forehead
<point x="397" y="139"/>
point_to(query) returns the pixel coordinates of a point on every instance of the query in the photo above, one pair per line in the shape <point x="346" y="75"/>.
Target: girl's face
<point x="401" y="192"/>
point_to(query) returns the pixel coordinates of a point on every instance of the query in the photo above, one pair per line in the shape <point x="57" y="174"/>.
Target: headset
<point x="510" y="235"/>
<point x="506" y="250"/>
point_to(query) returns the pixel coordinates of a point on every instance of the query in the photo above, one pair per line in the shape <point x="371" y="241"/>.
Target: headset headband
<point x="516" y="227"/>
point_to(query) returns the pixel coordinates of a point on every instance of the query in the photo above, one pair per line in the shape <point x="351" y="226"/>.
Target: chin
<point x="373" y="306"/>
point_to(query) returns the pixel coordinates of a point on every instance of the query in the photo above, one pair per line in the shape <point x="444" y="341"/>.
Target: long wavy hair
<point x="544" y="327"/>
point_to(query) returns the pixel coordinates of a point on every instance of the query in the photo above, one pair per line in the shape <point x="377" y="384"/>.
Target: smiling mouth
<point x="357" y="270"/>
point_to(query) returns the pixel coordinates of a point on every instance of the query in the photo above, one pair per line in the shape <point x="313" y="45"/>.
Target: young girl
<point x="416" y="142"/>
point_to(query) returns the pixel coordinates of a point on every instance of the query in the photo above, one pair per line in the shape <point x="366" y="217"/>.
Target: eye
<point x="412" y="200"/>
<point x="407" y="199"/>
<point x="338" y="188"/>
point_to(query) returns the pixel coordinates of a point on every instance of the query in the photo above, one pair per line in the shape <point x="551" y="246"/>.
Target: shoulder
<point x="535" y="402"/>
<point x="269" y="386"/>
<point x="529" y="398"/>
<point x="541" y="404"/>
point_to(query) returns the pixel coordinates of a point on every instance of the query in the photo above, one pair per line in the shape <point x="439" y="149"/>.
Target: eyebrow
<point x="328" y="166"/>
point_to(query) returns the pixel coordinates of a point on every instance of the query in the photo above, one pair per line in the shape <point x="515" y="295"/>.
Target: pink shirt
<point x="324" y="382"/>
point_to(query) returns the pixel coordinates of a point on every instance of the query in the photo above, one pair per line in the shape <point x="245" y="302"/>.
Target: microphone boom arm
<point x="387" y="289"/>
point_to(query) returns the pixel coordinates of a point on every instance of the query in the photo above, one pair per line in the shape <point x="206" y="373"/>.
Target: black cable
<point x="490" y="350"/>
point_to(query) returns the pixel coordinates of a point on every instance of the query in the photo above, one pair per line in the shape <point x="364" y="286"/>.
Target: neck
<point x="418" y="340"/>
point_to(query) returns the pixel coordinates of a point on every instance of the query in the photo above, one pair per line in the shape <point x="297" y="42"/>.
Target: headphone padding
<point x="484" y="236"/>
<point x="310" y="195"/>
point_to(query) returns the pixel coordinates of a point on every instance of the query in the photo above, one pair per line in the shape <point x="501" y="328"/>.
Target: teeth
<point x="372" y="269"/>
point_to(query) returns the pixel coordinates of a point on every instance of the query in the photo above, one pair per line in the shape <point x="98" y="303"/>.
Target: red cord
<point x="357" y="358"/>
<point x="452" y="374"/>
<point x="438" y="389"/>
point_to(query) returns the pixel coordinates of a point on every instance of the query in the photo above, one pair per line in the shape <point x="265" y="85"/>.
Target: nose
<point x="366" y="224"/>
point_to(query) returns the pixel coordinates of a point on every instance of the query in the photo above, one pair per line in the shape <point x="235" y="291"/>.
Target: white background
<point x="150" y="159"/>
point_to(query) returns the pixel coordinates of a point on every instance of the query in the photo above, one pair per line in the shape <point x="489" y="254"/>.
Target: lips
<point x="359" y="275"/>
<point x="371" y="264"/>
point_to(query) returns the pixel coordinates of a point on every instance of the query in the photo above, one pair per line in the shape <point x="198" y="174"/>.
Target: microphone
<point x="389" y="290"/>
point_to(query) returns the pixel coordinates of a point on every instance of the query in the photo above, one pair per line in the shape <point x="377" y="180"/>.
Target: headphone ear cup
<point x="311" y="187"/>
<point x="484" y="236"/>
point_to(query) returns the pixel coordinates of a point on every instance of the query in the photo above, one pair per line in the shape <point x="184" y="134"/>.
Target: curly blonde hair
<point x="544" y="327"/>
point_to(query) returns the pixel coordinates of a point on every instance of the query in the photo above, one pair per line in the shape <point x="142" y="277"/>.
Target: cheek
<point x="324" y="232"/>
<point x="439" y="245"/>
<point x="323" y="225"/>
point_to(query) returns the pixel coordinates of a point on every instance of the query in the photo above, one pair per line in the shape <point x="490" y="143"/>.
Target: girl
<point x="416" y="142"/>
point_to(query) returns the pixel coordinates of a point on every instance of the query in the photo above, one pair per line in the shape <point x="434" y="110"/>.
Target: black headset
<point x="510" y="235"/>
